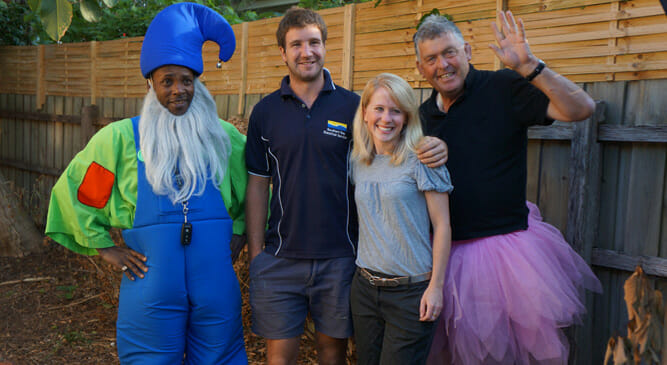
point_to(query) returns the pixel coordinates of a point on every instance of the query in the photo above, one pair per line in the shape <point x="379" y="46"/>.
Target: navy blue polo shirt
<point x="486" y="132"/>
<point x="305" y="153"/>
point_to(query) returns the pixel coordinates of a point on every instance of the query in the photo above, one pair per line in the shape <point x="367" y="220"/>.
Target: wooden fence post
<point x="583" y="216"/>
<point x="583" y="204"/>
<point x="244" y="68"/>
<point x="89" y="116"/>
<point x="348" y="46"/>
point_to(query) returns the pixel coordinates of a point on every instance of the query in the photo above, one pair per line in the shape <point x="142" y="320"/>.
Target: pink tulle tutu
<point x="507" y="297"/>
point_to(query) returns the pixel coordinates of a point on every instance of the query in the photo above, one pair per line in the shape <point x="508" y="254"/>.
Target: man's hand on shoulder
<point x="432" y="151"/>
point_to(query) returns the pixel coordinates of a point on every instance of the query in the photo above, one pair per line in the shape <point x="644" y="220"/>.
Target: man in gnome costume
<point x="174" y="180"/>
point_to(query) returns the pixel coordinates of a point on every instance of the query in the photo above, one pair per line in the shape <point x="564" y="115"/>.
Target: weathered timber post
<point x="583" y="210"/>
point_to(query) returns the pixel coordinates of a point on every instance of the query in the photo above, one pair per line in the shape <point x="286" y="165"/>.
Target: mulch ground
<point x="57" y="307"/>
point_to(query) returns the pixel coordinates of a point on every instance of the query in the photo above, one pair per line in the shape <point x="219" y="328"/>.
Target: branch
<point x="76" y="303"/>
<point x="27" y="280"/>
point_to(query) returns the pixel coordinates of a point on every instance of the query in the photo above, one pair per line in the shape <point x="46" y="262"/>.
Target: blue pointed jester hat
<point x="176" y="36"/>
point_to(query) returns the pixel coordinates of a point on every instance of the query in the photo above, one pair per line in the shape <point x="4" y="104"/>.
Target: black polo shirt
<point x="486" y="132"/>
<point x="305" y="152"/>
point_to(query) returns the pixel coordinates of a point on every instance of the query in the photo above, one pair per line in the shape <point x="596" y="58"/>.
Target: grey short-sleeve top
<point x="393" y="216"/>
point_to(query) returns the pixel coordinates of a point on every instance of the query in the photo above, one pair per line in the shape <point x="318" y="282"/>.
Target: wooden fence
<point x="585" y="40"/>
<point x="603" y="185"/>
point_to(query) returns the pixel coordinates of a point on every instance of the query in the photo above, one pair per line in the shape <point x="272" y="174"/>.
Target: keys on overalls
<point x="186" y="229"/>
<point x="186" y="233"/>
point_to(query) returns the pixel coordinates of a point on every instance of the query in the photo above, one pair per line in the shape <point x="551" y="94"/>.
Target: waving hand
<point x="512" y="48"/>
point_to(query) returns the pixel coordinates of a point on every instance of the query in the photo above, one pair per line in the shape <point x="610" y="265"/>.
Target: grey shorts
<point x="283" y="291"/>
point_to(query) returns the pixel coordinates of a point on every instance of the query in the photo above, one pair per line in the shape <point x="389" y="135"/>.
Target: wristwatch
<point x="536" y="71"/>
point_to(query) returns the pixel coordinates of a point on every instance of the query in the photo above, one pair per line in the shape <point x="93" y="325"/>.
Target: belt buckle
<point x="378" y="281"/>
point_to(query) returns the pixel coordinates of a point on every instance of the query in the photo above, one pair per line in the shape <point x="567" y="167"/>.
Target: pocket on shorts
<point x="252" y="267"/>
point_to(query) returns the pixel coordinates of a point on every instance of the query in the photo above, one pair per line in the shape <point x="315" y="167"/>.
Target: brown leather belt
<point x="392" y="280"/>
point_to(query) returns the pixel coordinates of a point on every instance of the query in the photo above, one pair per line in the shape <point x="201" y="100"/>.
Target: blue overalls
<point x="189" y="301"/>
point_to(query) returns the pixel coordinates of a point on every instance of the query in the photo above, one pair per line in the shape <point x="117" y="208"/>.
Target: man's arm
<point x="257" y="197"/>
<point x="567" y="101"/>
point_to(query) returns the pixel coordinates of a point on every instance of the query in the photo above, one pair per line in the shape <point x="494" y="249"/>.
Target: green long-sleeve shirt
<point x="83" y="228"/>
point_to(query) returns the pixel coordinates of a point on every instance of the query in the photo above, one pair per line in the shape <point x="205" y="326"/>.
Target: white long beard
<point x="194" y="144"/>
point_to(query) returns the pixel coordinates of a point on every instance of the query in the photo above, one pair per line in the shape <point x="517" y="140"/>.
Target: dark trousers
<point x="387" y="329"/>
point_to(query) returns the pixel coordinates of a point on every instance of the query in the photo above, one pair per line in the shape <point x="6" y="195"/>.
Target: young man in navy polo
<point x="298" y="139"/>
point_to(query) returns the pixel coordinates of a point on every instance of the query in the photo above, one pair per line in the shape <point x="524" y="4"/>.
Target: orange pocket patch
<point x="95" y="189"/>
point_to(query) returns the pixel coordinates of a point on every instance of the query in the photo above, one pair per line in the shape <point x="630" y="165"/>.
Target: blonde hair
<point x="363" y="149"/>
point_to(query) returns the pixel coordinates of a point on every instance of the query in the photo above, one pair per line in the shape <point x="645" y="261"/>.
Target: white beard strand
<point x="194" y="144"/>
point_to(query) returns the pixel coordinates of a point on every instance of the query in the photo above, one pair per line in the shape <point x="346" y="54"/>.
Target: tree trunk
<point x="18" y="234"/>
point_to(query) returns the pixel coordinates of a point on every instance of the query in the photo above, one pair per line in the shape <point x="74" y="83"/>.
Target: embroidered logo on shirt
<point x="95" y="189"/>
<point x="336" y="129"/>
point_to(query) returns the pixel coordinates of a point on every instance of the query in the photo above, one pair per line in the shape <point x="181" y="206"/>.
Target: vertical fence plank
<point x="12" y="145"/>
<point x="140" y="104"/>
<point x="77" y="104"/>
<point x="584" y="185"/>
<point x="28" y="147"/>
<point x="423" y="95"/>
<point x="613" y="94"/>
<point x="46" y="145"/>
<point x="20" y="104"/>
<point x="4" y="134"/>
<point x="118" y="108"/>
<point x="21" y="179"/>
<point x="39" y="136"/>
<point x="93" y="71"/>
<point x="554" y="183"/>
<point x="66" y="155"/>
<point x="583" y="213"/>
<point x="233" y="106"/>
<point x="533" y="170"/>
<point x="89" y="115"/>
<point x="56" y="135"/>
<point x="17" y="138"/>
<point x="106" y="109"/>
<point x="244" y="68"/>
<point x="663" y="233"/>
<point x="222" y="106"/>
<point x="646" y="173"/>
<point x="39" y="201"/>
<point x="129" y="108"/>
<point x="608" y="311"/>
<point x="41" y="81"/>
<point x="250" y="102"/>
<point x="348" y="46"/>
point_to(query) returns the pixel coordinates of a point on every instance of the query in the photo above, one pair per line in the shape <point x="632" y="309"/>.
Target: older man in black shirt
<point x="513" y="281"/>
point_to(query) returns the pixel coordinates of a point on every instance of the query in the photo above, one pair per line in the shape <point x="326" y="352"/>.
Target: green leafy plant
<point x="67" y="291"/>
<point x="88" y="20"/>
<point x="76" y="336"/>
<point x="20" y="25"/>
<point x="56" y="15"/>
<point x="433" y="11"/>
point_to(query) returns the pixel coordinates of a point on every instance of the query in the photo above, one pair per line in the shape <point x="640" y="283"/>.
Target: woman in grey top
<point x="397" y="289"/>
